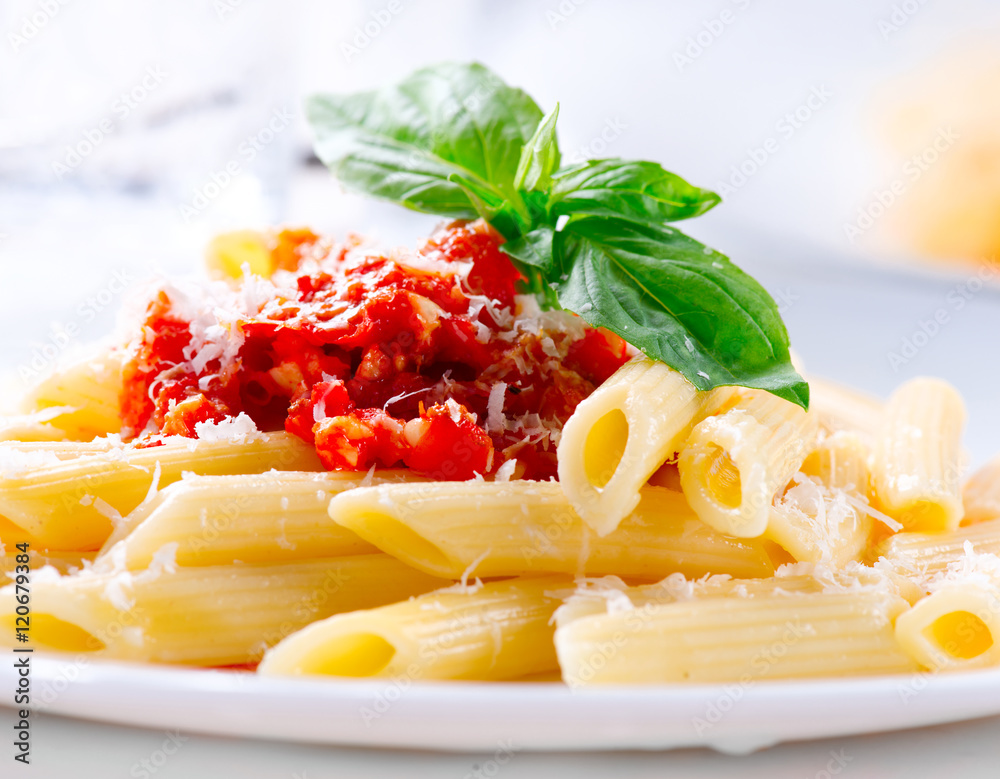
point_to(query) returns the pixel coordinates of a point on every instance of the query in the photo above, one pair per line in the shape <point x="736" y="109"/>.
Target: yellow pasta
<point x="922" y="555"/>
<point x="823" y="516"/>
<point x="956" y="627"/>
<point x="216" y="615"/>
<point x="218" y="520"/>
<point x="717" y="639"/>
<point x="14" y="451"/>
<point x="73" y="504"/>
<point x="981" y="495"/>
<point x="89" y="389"/>
<point x="513" y="528"/>
<point x="610" y="594"/>
<point x="488" y="632"/>
<point x="620" y="435"/>
<point x="733" y="464"/>
<point x="841" y="408"/>
<point x="918" y="461"/>
<point x="32" y="427"/>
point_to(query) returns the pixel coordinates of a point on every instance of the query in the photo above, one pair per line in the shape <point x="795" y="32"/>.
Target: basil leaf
<point x="500" y="213"/>
<point x="405" y="143"/>
<point x="533" y="255"/>
<point x="540" y="156"/>
<point x="535" y="249"/>
<point x="679" y="302"/>
<point x="641" y="191"/>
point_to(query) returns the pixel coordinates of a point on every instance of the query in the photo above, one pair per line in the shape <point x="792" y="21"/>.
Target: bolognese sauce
<point x="429" y="360"/>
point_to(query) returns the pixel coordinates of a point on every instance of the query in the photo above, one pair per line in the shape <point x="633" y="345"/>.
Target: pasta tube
<point x="620" y="435"/>
<point x="736" y="639"/>
<point x="841" y="408"/>
<point x="487" y="632"/>
<point x="453" y="529"/>
<point x="923" y="555"/>
<point x="918" y="457"/>
<point x="823" y="516"/>
<point x="215" y="520"/>
<point x="733" y="464"/>
<point x="981" y="495"/>
<point x="956" y="627"/>
<point x="89" y="390"/>
<point x="73" y="504"/>
<point x="216" y="615"/>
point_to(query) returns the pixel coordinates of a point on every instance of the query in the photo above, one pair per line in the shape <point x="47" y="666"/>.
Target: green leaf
<point x="533" y="255"/>
<point x="500" y="213"/>
<point x="540" y="156"/>
<point x="640" y="191"/>
<point x="679" y="302"/>
<point x="413" y="142"/>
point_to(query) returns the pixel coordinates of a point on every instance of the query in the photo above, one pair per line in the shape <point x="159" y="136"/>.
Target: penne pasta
<point x="73" y="504"/>
<point x="921" y="555"/>
<point x="11" y="452"/>
<point x="218" y="520"/>
<point x="612" y="595"/>
<point x="777" y="636"/>
<point x="215" y="615"/>
<point x="31" y="428"/>
<point x="513" y="528"/>
<point x="981" y="495"/>
<point x="733" y="464"/>
<point x="954" y="628"/>
<point x="88" y="391"/>
<point x="620" y="435"/>
<point x="918" y="462"/>
<point x="841" y="408"/>
<point x="488" y="632"/>
<point x="823" y="515"/>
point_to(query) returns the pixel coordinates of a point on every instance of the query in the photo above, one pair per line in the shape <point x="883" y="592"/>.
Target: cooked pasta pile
<point x="247" y="507"/>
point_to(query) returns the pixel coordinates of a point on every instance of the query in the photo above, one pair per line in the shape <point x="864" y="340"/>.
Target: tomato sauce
<point x="429" y="360"/>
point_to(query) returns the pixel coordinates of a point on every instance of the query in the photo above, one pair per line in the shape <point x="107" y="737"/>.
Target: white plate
<point x="488" y="717"/>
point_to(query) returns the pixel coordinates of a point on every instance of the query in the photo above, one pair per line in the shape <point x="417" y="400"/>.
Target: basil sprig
<point x="592" y="238"/>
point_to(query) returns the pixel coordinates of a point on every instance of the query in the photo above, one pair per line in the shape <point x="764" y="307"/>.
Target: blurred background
<point x="856" y="146"/>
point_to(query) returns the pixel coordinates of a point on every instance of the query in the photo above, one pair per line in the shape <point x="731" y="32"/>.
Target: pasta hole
<point x="354" y="654"/>
<point x="605" y="445"/>
<point x="723" y="478"/>
<point x="961" y="634"/>
<point x="925" y="515"/>
<point x="54" y="633"/>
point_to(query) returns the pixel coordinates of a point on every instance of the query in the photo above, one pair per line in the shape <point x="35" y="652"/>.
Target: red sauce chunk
<point x="428" y="360"/>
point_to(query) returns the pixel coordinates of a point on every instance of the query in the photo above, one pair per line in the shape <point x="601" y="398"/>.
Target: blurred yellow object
<point x="951" y="209"/>
<point x="229" y="252"/>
